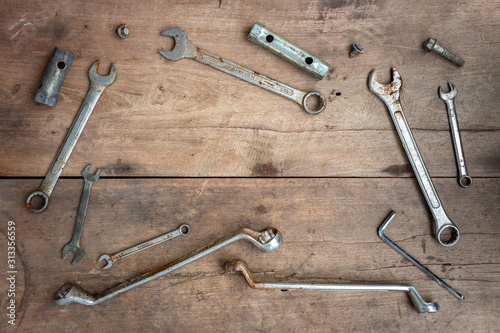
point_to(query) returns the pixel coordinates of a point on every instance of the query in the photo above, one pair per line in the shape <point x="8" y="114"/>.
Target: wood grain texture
<point x="330" y="235"/>
<point x="163" y="118"/>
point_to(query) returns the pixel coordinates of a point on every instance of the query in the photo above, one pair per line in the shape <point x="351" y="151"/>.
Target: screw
<point x="123" y="31"/>
<point x="356" y="48"/>
<point x="432" y="45"/>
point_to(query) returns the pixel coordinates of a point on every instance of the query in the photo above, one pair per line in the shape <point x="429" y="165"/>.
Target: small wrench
<point x="183" y="230"/>
<point x="389" y="93"/>
<point x="97" y="85"/>
<point x="184" y="49"/>
<point x="449" y="99"/>
<point x="74" y="245"/>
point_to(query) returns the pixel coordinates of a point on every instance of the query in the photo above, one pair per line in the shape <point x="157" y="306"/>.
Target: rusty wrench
<point x="74" y="244"/>
<point x="97" y="85"/>
<point x="183" y="230"/>
<point x="449" y="99"/>
<point x="267" y="240"/>
<point x="389" y="93"/>
<point x="184" y="49"/>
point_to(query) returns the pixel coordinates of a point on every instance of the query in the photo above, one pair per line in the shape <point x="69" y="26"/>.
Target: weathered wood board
<point x="330" y="235"/>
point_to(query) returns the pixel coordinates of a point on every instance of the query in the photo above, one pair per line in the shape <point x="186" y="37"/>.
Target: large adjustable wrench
<point x="389" y="93"/>
<point x="97" y="85"/>
<point x="184" y="49"/>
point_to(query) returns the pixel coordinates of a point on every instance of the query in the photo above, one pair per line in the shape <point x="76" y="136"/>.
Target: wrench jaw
<point x="267" y="241"/>
<point x="76" y="250"/>
<point x="180" y="43"/>
<point x="108" y="259"/>
<point x="449" y="95"/>
<point x="102" y="81"/>
<point x="390" y="92"/>
<point x="90" y="177"/>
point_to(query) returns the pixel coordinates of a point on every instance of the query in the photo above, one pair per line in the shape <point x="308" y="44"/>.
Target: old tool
<point x="389" y="93"/>
<point x="74" y="244"/>
<point x="53" y="78"/>
<point x="183" y="230"/>
<point x="184" y="49"/>
<point x="420" y="305"/>
<point x="432" y="45"/>
<point x="356" y="49"/>
<point x="97" y="85"/>
<point x="449" y="99"/>
<point x="268" y="240"/>
<point x="405" y="254"/>
<point x="123" y="31"/>
<point x="269" y="40"/>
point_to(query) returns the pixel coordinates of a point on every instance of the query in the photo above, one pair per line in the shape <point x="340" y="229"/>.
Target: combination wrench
<point x="241" y="266"/>
<point x="267" y="240"/>
<point x="449" y="99"/>
<point x="184" y="49"/>
<point x="97" y="85"/>
<point x="389" y="93"/>
<point x="183" y="230"/>
<point x="74" y="244"/>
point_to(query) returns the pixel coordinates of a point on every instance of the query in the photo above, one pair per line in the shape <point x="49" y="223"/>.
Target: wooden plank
<point x="164" y="118"/>
<point x="330" y="233"/>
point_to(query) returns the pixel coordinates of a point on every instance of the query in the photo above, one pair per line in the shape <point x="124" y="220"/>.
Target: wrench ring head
<point x="180" y="42"/>
<point x="444" y="239"/>
<point x="101" y="80"/>
<point x="45" y="197"/>
<point x="465" y="181"/>
<point x="449" y="95"/>
<point x="184" y="229"/>
<point x="322" y="104"/>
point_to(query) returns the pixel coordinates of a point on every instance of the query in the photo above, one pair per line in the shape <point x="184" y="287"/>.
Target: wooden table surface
<point x="179" y="142"/>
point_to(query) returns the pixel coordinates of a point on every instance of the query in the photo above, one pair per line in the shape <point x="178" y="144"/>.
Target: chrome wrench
<point x="449" y="99"/>
<point x="97" y="85"/>
<point x="184" y="49"/>
<point x="74" y="244"/>
<point x="241" y="266"/>
<point x="183" y="230"/>
<point x="389" y="93"/>
<point x="267" y="240"/>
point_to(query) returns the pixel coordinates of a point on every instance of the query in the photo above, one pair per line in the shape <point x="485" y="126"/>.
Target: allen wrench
<point x="405" y="254"/>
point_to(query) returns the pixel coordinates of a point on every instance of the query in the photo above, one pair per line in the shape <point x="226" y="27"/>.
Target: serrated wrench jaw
<point x="180" y="43"/>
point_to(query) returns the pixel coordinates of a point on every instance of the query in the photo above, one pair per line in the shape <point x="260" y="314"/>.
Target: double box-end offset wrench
<point x="184" y="49"/>
<point x="449" y="99"/>
<point x="183" y="230"/>
<point x="420" y="305"/>
<point x="74" y="245"/>
<point x="389" y="93"/>
<point x="97" y="85"/>
<point x="267" y="240"/>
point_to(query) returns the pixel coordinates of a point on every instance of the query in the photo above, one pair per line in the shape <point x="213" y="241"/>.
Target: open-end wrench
<point x="184" y="49"/>
<point x="449" y="99"/>
<point x="74" y="244"/>
<point x="420" y="305"/>
<point x="97" y="85"/>
<point x="389" y="93"/>
<point x="183" y="230"/>
<point x="267" y="240"/>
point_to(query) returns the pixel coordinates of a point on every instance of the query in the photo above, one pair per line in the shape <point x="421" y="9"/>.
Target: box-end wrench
<point x="267" y="240"/>
<point x="184" y="49"/>
<point x="97" y="85"/>
<point x="74" y="245"/>
<point x="420" y="305"/>
<point x="389" y="93"/>
<point x="449" y="99"/>
<point x="183" y="230"/>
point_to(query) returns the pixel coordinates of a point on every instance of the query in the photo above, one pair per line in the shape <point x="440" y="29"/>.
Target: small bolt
<point x="123" y="31"/>
<point x="356" y="48"/>
<point x="432" y="45"/>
